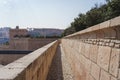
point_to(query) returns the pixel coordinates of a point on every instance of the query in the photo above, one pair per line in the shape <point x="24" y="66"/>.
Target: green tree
<point x="79" y="23"/>
<point x="95" y="15"/>
<point x="114" y="8"/>
<point x="68" y="31"/>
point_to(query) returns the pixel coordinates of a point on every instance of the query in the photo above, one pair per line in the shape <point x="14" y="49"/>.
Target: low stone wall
<point x="8" y="56"/>
<point x="94" y="53"/>
<point x="19" y="44"/>
<point x="33" y="66"/>
<point x="4" y="47"/>
<point x="38" y="43"/>
<point x="29" y="43"/>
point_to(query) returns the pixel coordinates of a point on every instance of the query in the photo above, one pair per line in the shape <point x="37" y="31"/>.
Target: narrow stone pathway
<point x="60" y="68"/>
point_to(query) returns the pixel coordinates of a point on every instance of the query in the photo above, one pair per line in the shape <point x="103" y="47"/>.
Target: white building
<point x="4" y="32"/>
<point x="4" y="35"/>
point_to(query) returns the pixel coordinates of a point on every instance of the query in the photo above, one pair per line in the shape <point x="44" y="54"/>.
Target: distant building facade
<point x="14" y="33"/>
<point x="17" y="32"/>
<point x="20" y="41"/>
<point x="45" y="32"/>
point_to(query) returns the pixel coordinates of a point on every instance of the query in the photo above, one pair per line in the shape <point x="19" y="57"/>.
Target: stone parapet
<point x="101" y="30"/>
<point x="33" y="66"/>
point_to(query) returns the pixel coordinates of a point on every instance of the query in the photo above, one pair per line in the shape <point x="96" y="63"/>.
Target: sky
<point x="42" y="13"/>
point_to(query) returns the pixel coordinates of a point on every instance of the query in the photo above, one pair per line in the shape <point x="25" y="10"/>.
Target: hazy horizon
<point x="42" y="14"/>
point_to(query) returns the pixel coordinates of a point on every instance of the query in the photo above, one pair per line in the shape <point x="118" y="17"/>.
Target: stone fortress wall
<point x="94" y="53"/>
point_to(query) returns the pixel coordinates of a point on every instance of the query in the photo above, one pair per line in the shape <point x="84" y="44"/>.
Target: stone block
<point x="117" y="45"/>
<point x="93" y="53"/>
<point x="119" y="74"/>
<point x="95" y="71"/>
<point x="100" y="34"/>
<point x="82" y="59"/>
<point x="96" y="27"/>
<point x="115" y="21"/>
<point x="110" y="33"/>
<point x="105" y="24"/>
<point x="79" y="70"/>
<point x="92" y="35"/>
<point x="86" y="30"/>
<point x="87" y="50"/>
<point x="111" y="44"/>
<point x="77" y="45"/>
<point x="80" y="46"/>
<point x="114" y="62"/>
<point x="104" y="75"/>
<point x="118" y="32"/>
<point x="113" y="78"/>
<point x="89" y="77"/>
<point x="104" y="57"/>
<point x="83" y="48"/>
<point x="88" y="65"/>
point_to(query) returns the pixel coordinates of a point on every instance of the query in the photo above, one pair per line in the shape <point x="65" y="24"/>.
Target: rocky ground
<point x="60" y="68"/>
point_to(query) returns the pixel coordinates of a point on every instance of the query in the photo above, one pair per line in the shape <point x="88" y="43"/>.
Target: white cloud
<point x="6" y="2"/>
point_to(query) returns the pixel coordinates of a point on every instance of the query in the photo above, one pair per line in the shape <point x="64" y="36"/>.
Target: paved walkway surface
<point x="60" y="68"/>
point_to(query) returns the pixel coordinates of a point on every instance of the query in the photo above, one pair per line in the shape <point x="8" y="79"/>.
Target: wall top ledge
<point x="104" y="25"/>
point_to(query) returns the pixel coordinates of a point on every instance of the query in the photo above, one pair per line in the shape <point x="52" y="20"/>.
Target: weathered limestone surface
<point x="104" y="57"/>
<point x="95" y="71"/>
<point x="114" y="62"/>
<point x="33" y="66"/>
<point x="94" y="53"/>
<point x="104" y="75"/>
<point x="112" y="78"/>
